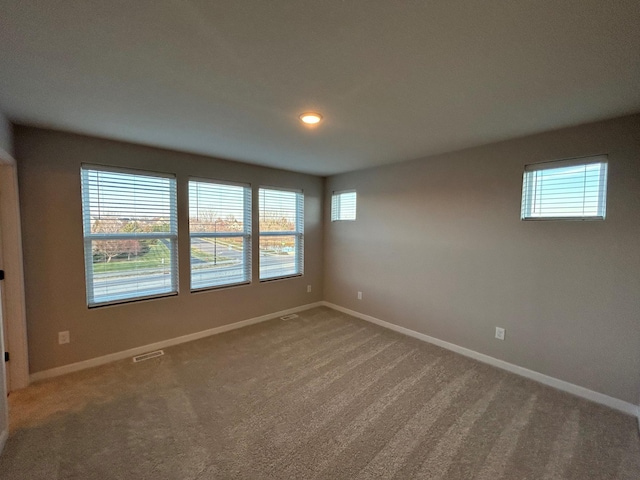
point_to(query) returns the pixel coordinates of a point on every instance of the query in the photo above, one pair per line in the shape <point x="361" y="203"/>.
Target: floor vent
<point x="289" y="317"/>
<point x="147" y="356"/>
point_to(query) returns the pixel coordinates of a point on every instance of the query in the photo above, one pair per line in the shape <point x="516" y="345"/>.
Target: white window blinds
<point x="281" y="233"/>
<point x="568" y="189"/>
<point x="220" y="231"/>
<point x="343" y="205"/>
<point x="130" y="234"/>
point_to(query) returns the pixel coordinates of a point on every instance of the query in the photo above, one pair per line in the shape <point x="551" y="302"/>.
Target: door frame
<point x="13" y="301"/>
<point x="4" y="388"/>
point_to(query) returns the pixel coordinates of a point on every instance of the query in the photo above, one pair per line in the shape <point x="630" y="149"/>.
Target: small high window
<point x="565" y="190"/>
<point x="343" y="205"/>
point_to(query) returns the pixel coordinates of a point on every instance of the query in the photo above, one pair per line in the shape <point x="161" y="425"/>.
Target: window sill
<point x="562" y="219"/>
<point x="285" y="277"/>
<point x="220" y="287"/>
<point x="131" y="300"/>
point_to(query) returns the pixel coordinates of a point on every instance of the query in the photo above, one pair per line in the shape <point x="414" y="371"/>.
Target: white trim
<point x="13" y="301"/>
<point x="4" y="435"/>
<point x="615" y="403"/>
<point x="6" y="158"/>
<point x="112" y="357"/>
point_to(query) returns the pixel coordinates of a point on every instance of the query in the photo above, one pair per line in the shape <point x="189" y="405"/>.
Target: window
<point x="567" y="189"/>
<point x="281" y="233"/>
<point x="220" y="231"/>
<point x="343" y="205"/>
<point x="130" y="234"/>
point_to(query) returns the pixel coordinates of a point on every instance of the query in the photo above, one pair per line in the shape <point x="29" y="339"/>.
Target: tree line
<point x="107" y="250"/>
<point x="207" y="221"/>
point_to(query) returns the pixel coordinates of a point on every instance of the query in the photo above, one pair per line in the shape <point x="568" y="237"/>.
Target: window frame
<point x="246" y="234"/>
<point x="528" y="190"/>
<point x="89" y="237"/>
<point x="336" y="207"/>
<point x="298" y="233"/>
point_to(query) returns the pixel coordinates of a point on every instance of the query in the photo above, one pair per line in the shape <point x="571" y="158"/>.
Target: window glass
<point x="281" y="233"/>
<point x="220" y="234"/>
<point x="130" y="234"/>
<point x="343" y="206"/>
<point x="575" y="189"/>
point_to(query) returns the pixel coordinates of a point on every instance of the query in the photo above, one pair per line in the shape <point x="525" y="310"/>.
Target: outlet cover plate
<point x="63" y="337"/>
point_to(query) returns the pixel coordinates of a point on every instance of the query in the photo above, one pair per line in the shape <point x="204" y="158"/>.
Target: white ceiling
<point x="395" y="80"/>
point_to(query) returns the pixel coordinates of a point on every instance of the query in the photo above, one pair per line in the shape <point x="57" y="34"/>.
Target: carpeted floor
<point x="324" y="396"/>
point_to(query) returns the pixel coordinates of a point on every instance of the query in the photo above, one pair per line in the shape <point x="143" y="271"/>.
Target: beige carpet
<point x="325" y="396"/>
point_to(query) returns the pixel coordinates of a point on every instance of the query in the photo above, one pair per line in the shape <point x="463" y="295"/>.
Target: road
<point x="222" y="250"/>
<point x="153" y="281"/>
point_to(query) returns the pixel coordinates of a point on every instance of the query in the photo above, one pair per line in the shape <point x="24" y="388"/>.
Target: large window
<point x="567" y="189"/>
<point x="343" y="205"/>
<point x="281" y="233"/>
<point x="220" y="230"/>
<point x="130" y="234"/>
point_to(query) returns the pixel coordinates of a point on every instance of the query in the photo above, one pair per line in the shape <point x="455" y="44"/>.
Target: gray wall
<point x="49" y="175"/>
<point x="439" y="247"/>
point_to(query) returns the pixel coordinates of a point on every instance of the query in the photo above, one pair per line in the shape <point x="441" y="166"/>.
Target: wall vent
<point x="289" y="317"/>
<point x="147" y="356"/>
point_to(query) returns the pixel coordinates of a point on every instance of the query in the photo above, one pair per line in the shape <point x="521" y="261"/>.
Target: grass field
<point x="158" y="256"/>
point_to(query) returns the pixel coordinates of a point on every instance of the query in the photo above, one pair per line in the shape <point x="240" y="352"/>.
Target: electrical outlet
<point x="63" y="337"/>
<point x="359" y="295"/>
<point x="500" y="333"/>
<point x="308" y="288"/>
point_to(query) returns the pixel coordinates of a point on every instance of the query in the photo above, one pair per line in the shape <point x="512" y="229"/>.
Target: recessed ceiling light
<point x="310" y="118"/>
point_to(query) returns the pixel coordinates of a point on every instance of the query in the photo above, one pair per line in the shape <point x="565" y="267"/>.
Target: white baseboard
<point x="577" y="390"/>
<point x="4" y="435"/>
<point x="112" y="357"/>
